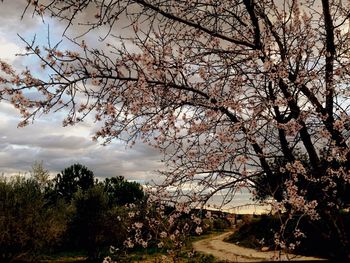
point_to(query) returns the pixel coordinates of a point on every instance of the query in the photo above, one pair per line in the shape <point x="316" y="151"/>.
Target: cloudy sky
<point x="46" y="140"/>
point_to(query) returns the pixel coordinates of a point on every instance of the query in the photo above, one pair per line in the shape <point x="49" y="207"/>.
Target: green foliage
<point x="221" y="223"/>
<point x="100" y="217"/>
<point x="252" y="234"/>
<point x="40" y="175"/>
<point x="26" y="225"/>
<point x="72" y="212"/>
<point x="70" y="180"/>
<point x="88" y="225"/>
<point x="208" y="225"/>
<point x="121" y="192"/>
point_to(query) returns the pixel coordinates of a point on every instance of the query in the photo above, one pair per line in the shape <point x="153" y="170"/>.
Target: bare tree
<point x="223" y="88"/>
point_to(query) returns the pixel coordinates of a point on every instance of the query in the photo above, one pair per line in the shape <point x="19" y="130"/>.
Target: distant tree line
<point x="72" y="211"/>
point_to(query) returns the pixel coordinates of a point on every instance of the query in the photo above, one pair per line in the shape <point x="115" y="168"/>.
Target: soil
<point x="229" y="252"/>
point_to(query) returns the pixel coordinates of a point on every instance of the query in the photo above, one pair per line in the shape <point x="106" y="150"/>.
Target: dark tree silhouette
<point x="122" y="192"/>
<point x="71" y="179"/>
<point x="88" y="228"/>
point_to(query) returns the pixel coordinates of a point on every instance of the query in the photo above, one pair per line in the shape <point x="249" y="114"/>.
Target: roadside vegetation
<point x="315" y="238"/>
<point x="73" y="214"/>
<point x="74" y="217"/>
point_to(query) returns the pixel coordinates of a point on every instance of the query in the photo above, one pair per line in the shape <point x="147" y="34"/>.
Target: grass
<point x="63" y="257"/>
<point x="147" y="255"/>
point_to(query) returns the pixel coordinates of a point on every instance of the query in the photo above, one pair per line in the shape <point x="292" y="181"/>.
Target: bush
<point x="122" y="192"/>
<point x="221" y="223"/>
<point x="88" y="225"/>
<point x="26" y="225"/>
<point x="316" y="242"/>
<point x="253" y="232"/>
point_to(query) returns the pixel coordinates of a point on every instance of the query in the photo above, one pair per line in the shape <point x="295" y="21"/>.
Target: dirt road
<point x="232" y="253"/>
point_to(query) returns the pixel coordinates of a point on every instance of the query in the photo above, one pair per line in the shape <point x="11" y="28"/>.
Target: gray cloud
<point x="54" y="142"/>
<point x="58" y="147"/>
<point x="46" y="140"/>
<point x="10" y="16"/>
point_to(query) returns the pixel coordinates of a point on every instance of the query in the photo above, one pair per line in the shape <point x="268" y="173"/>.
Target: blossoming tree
<point x="223" y="88"/>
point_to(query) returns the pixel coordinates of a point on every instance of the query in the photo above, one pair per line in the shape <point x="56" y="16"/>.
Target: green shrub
<point x="27" y="225"/>
<point x="221" y="223"/>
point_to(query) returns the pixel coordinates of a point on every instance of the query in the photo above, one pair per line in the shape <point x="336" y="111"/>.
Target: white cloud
<point x="58" y="147"/>
<point x="9" y="50"/>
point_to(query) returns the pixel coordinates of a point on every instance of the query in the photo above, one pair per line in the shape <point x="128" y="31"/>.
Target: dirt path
<point x="232" y="253"/>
